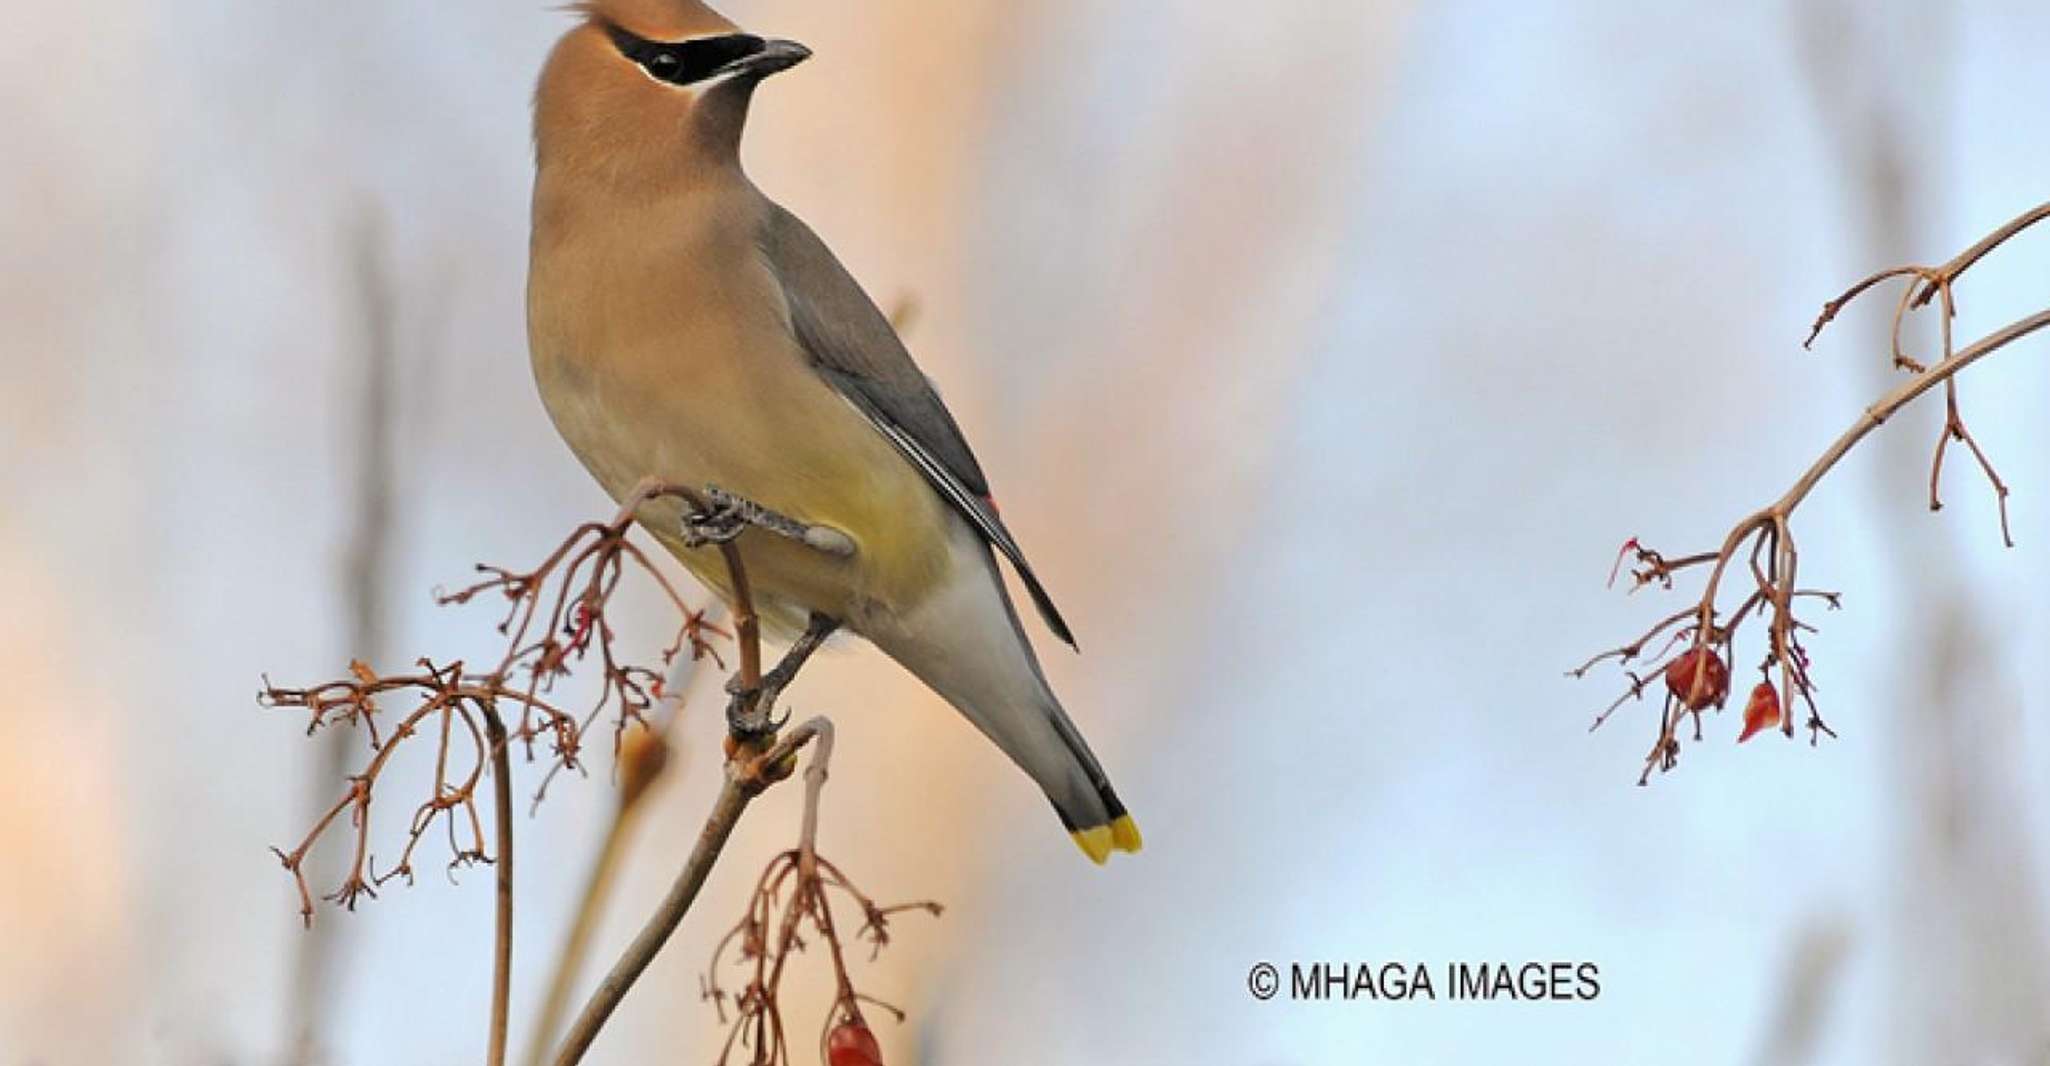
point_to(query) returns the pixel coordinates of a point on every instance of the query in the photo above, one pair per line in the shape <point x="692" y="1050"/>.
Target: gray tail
<point x="965" y="641"/>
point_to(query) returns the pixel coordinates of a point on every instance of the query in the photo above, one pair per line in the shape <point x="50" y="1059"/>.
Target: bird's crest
<point x="661" y="20"/>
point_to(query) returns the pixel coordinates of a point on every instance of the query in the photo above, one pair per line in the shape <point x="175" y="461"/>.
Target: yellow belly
<point x="705" y="386"/>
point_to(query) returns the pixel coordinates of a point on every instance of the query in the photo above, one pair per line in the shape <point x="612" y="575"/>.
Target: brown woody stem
<point x="501" y="956"/>
<point x="745" y="779"/>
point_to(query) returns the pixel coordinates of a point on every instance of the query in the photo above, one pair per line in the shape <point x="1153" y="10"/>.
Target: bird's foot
<point x="749" y="713"/>
<point x="728" y="515"/>
<point x="717" y="524"/>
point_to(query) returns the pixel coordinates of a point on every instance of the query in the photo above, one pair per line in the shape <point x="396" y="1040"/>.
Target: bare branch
<point x="556" y="618"/>
<point x="1701" y="642"/>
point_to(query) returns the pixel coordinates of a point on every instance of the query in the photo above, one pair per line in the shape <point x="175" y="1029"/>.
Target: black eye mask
<point x="685" y="62"/>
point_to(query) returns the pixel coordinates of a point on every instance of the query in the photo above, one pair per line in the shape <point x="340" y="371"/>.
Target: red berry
<point x="851" y="1044"/>
<point x="1763" y="712"/>
<point x="580" y="626"/>
<point x="1697" y="692"/>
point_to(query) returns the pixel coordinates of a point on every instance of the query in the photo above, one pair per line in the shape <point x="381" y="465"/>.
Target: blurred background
<point x="1323" y="354"/>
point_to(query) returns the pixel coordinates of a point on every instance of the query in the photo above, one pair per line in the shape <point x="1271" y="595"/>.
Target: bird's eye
<point x="684" y="62"/>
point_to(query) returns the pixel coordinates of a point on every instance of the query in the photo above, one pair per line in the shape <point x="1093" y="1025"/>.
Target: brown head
<point x="647" y="93"/>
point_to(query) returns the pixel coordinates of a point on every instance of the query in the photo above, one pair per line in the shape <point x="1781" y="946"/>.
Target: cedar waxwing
<point x="685" y="327"/>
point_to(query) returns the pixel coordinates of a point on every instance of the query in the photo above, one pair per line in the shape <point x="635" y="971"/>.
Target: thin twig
<point x="1900" y="396"/>
<point x="749" y="770"/>
<point x="745" y="779"/>
<point x="502" y="930"/>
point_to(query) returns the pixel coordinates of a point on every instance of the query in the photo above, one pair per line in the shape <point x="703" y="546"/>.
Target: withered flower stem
<point x="502" y="929"/>
<point x="557" y="616"/>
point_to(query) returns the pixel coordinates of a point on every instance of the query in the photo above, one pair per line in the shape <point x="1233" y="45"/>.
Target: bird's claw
<point x="718" y="524"/>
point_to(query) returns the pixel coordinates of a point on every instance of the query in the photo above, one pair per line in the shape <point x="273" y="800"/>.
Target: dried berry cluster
<point x="556" y="617"/>
<point x="795" y="893"/>
<point x="1692" y="649"/>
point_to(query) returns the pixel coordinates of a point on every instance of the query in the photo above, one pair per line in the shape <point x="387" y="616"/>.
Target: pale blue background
<point x="1323" y="352"/>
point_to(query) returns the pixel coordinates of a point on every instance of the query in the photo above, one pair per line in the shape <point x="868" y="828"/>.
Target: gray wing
<point x="853" y="346"/>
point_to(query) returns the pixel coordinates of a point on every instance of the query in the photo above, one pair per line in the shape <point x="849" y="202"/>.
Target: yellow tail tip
<point x="1124" y="834"/>
<point x="1098" y="841"/>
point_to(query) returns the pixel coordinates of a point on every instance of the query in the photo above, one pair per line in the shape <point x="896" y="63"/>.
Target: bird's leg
<point x="784" y="672"/>
<point x="748" y="714"/>
<point x="729" y="514"/>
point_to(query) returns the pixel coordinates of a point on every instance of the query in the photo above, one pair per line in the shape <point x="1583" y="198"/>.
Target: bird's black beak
<point x="773" y="56"/>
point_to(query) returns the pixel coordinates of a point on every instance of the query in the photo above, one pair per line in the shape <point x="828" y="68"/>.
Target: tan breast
<point x="661" y="345"/>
